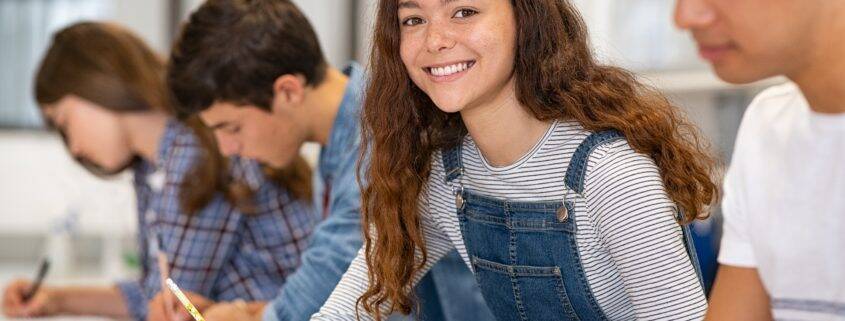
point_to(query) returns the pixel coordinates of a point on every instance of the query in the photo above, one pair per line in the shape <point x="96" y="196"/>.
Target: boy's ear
<point x="288" y="91"/>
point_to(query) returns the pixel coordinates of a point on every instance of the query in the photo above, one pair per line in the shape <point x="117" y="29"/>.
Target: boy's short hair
<point x="234" y="50"/>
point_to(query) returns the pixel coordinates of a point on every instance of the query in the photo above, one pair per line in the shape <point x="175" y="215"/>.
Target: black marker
<point x="42" y="272"/>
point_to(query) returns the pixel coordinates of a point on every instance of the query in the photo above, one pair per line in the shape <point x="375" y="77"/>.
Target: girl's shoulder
<point x="178" y="151"/>
<point x="177" y="137"/>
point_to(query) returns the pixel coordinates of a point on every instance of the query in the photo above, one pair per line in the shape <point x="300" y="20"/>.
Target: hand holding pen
<point x="165" y="306"/>
<point x="156" y="306"/>
<point x="23" y="298"/>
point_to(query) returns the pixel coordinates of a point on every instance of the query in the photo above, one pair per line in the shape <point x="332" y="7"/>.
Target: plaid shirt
<point x="218" y="252"/>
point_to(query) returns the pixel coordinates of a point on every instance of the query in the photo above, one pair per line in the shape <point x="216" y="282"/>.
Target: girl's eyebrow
<point x="411" y="4"/>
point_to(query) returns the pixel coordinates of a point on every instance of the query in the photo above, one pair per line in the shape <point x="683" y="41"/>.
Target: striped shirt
<point x="630" y="244"/>
<point x="218" y="252"/>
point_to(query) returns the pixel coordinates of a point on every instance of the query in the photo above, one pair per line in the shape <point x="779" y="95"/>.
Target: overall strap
<point x="578" y="164"/>
<point x="452" y="165"/>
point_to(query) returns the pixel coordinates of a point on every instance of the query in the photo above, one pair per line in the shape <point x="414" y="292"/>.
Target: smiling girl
<point x="565" y="185"/>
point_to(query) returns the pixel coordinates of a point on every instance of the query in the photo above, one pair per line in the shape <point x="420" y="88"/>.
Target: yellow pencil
<point x="184" y="299"/>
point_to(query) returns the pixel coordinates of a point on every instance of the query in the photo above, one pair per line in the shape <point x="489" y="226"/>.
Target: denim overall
<point x="524" y="254"/>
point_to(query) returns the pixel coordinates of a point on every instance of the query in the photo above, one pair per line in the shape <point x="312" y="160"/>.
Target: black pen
<point x="39" y="279"/>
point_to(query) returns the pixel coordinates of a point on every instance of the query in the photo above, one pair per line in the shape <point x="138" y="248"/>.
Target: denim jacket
<point x="336" y="240"/>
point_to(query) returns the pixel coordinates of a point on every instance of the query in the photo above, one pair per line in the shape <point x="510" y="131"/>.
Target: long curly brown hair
<point x="556" y="77"/>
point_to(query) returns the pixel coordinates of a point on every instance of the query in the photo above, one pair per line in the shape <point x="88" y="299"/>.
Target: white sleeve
<point x="342" y="302"/>
<point x="735" y="249"/>
<point x="636" y="221"/>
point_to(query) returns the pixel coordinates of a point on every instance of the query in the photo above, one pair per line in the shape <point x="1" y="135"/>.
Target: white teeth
<point x="449" y="70"/>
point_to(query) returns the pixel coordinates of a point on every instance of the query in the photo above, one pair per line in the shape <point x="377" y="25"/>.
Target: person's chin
<point x="274" y="163"/>
<point x="107" y="170"/>
<point x="737" y="75"/>
<point x="450" y="109"/>
<point x="448" y="104"/>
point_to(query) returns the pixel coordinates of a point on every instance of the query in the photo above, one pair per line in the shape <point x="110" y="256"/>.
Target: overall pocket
<point x="516" y="251"/>
<point x="525" y="293"/>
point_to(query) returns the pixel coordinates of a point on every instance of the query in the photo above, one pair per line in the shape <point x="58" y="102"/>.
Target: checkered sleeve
<point x="132" y="290"/>
<point x="134" y="298"/>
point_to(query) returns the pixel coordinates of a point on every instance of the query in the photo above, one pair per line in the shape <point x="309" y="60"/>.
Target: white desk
<point x="59" y="319"/>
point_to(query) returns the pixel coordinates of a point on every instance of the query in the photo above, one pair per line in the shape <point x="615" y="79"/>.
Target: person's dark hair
<point x="556" y="77"/>
<point x="234" y="50"/>
<point x="108" y="65"/>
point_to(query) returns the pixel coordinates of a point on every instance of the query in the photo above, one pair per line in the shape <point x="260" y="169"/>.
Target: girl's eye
<point x="463" y="13"/>
<point x="412" y="21"/>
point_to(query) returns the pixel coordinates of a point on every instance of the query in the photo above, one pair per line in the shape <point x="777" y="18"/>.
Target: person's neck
<point x="323" y="103"/>
<point x="503" y="129"/>
<point x="822" y="79"/>
<point x="145" y="131"/>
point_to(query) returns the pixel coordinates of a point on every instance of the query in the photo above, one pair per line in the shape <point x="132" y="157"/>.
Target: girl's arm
<point x="738" y="294"/>
<point x="341" y="305"/>
<point x="636" y="222"/>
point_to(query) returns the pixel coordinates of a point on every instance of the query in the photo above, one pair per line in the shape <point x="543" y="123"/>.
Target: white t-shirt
<point x="784" y="205"/>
